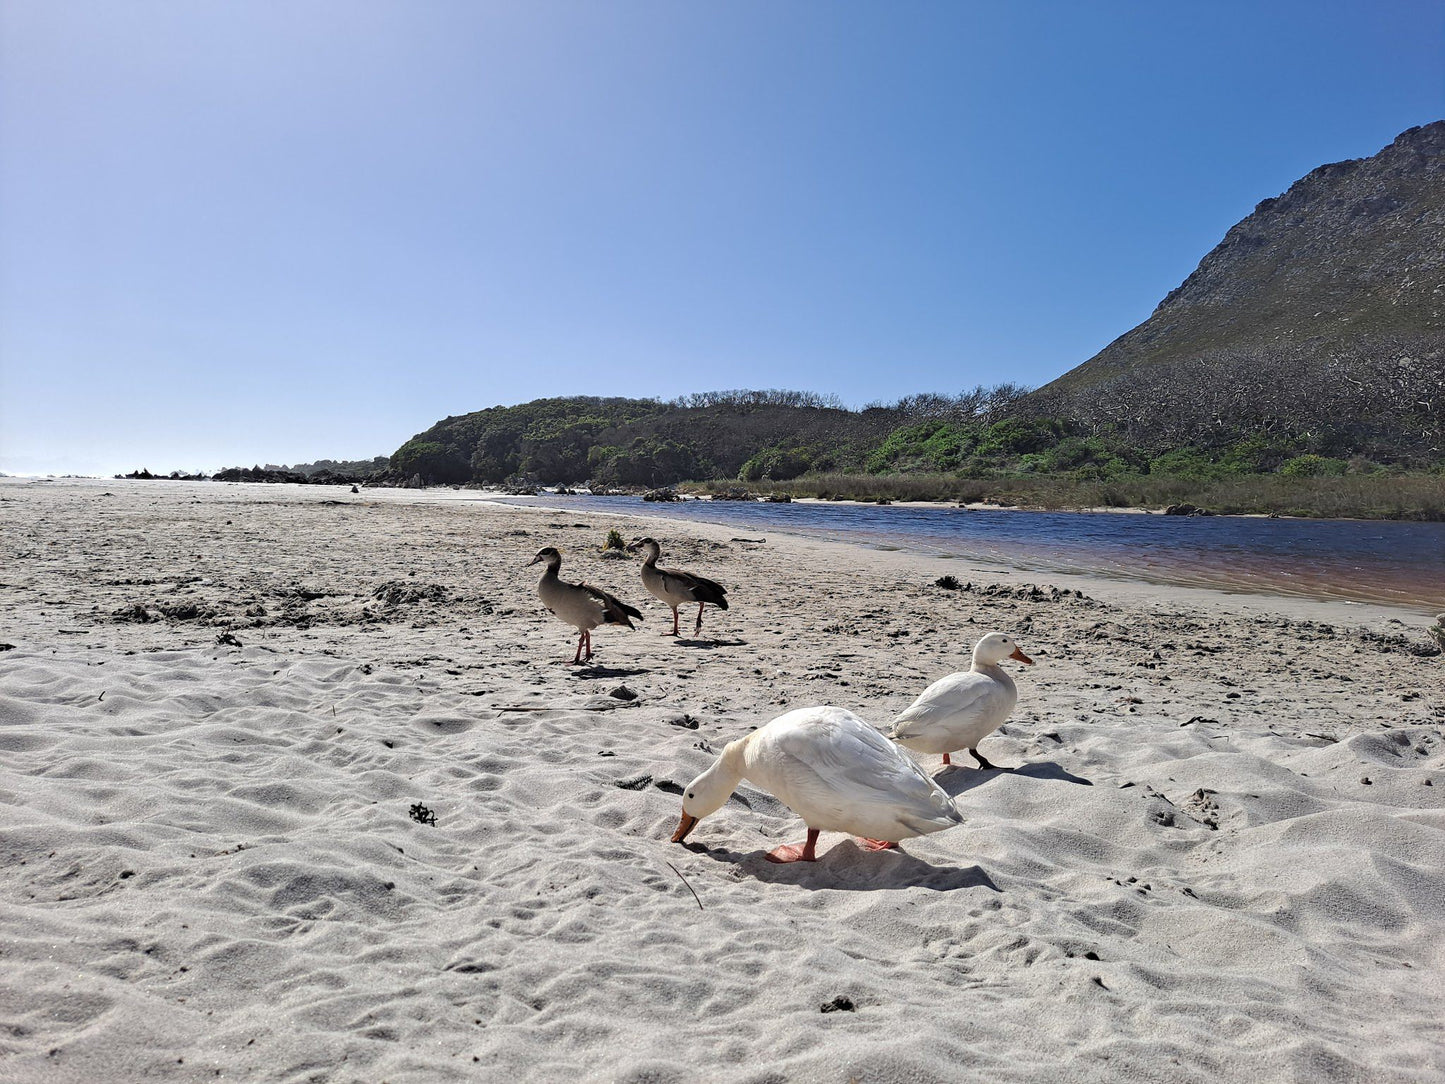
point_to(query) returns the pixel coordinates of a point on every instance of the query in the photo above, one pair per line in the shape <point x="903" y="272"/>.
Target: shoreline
<point x="1119" y="584"/>
<point x="1063" y="507"/>
<point x="1131" y="589"/>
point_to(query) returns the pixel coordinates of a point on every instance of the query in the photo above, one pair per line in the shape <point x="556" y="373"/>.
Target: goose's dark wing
<point x="699" y="588"/>
<point x="614" y="610"/>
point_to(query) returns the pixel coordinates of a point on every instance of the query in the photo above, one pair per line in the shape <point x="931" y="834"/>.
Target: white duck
<point x="581" y="605"/>
<point x="959" y="711"/>
<point x="677" y="588"/>
<point x="833" y="770"/>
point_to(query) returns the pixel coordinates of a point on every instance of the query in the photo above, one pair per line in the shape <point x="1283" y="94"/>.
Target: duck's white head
<point x="995" y="647"/>
<point x="710" y="791"/>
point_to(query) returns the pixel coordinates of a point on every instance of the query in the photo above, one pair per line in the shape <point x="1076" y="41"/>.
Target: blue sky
<point x="278" y="231"/>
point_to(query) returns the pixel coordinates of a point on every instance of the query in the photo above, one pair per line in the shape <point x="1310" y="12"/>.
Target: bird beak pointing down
<point x="1021" y="657"/>
<point x="684" y="826"/>
<point x="533" y="561"/>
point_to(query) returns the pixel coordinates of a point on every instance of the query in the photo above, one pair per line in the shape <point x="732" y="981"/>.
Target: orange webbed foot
<point x="791" y="852"/>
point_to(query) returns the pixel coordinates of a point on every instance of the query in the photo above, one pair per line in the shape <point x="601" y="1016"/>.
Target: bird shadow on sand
<point x="845" y="867"/>
<point x="958" y="779"/>
<point x="709" y="644"/>
<point x="595" y="672"/>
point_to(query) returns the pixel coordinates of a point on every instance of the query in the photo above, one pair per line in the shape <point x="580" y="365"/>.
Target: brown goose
<point x="678" y="588"/>
<point x="579" y="604"/>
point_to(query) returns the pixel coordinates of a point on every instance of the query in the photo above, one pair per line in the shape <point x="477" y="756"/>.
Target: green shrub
<point x="1016" y="436"/>
<point x="1312" y="466"/>
<point x="777" y="464"/>
<point x="1074" y="452"/>
<point x="1254" y="454"/>
<point x="927" y="446"/>
<point x="434" y="461"/>
<point x="1100" y="471"/>
<point x="647" y="461"/>
<point x="1185" y="463"/>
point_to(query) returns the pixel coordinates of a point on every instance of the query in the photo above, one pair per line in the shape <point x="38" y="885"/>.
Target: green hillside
<point x="645" y="441"/>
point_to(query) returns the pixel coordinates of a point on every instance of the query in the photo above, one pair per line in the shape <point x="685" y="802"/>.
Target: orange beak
<point x="1021" y="657"/>
<point x="684" y="826"/>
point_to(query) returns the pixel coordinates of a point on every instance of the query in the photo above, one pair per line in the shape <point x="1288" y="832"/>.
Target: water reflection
<point x="1401" y="564"/>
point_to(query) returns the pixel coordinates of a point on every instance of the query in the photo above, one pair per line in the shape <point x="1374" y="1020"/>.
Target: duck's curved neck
<point x="731" y="765"/>
<point x="715" y="786"/>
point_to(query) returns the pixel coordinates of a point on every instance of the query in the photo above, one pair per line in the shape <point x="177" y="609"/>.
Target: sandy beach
<point x="230" y="713"/>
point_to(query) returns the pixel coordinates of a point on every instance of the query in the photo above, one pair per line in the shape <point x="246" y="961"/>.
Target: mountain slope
<point x="1322" y="314"/>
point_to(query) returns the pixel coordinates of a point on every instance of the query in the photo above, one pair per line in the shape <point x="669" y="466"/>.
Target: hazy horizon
<point x="280" y="234"/>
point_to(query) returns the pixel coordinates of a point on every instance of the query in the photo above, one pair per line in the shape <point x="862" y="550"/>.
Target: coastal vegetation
<point x="1384" y="495"/>
<point x="979" y="445"/>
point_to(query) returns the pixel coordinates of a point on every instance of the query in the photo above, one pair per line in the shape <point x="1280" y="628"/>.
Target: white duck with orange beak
<point x="959" y="711"/>
<point x="836" y="772"/>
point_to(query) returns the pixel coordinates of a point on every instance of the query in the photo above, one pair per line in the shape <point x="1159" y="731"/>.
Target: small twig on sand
<point x="553" y="707"/>
<point x="684" y="881"/>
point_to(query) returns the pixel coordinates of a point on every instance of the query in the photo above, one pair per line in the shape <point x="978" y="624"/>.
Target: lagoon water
<point x="1398" y="564"/>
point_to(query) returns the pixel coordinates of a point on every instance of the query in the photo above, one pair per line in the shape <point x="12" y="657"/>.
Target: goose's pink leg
<point x="792" y="852"/>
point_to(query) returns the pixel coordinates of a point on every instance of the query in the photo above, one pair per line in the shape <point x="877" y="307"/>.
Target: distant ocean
<point x="1397" y="564"/>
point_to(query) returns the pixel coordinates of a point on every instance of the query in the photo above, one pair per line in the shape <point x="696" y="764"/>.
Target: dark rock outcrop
<point x="1321" y="313"/>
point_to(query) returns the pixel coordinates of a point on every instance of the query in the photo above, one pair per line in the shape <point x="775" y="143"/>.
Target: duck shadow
<point x="957" y="779"/>
<point x="846" y="867"/>
<point x="595" y="672"/>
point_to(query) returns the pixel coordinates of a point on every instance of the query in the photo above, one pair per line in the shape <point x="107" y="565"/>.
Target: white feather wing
<point x="956" y="706"/>
<point x="856" y="772"/>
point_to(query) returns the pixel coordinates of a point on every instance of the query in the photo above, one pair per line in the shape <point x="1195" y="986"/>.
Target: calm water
<point x="1401" y="564"/>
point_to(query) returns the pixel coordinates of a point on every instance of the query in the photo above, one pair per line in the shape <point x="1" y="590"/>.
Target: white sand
<point x="1223" y="858"/>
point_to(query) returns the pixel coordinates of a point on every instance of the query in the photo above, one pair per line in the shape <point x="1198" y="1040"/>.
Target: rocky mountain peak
<point x="1322" y="311"/>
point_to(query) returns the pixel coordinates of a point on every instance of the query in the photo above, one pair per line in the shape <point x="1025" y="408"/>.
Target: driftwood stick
<point x="684" y="881"/>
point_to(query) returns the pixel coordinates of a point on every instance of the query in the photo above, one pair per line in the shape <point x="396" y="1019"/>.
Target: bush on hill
<point x="775" y="436"/>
